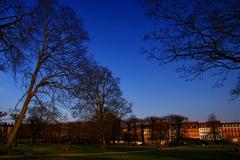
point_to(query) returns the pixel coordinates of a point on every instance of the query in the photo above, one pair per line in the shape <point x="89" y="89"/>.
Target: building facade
<point x="191" y="130"/>
<point x="155" y="131"/>
<point x="230" y="131"/>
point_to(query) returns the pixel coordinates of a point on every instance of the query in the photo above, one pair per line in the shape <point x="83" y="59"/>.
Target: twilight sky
<point x="116" y="29"/>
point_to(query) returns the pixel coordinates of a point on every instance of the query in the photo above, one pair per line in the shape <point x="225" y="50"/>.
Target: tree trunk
<point x="19" y="121"/>
<point x="30" y="94"/>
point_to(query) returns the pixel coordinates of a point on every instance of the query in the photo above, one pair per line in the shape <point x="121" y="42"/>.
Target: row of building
<point x="135" y="131"/>
<point x="203" y="131"/>
<point x="166" y="130"/>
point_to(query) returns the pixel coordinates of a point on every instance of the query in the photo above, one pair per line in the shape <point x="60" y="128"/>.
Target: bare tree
<point x="152" y="122"/>
<point x="39" y="115"/>
<point x="126" y="134"/>
<point x="98" y="94"/>
<point x="176" y="127"/>
<point x="55" y="55"/>
<point x="142" y="127"/>
<point x="159" y="130"/>
<point x="15" y="32"/>
<point x="214" y="124"/>
<point x="204" y="34"/>
<point x="162" y="131"/>
<point x="134" y="124"/>
<point x="111" y="127"/>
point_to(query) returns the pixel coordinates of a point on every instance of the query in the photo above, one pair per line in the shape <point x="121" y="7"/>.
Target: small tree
<point x="214" y="124"/>
<point x="142" y="127"/>
<point x="176" y="127"/>
<point x="133" y="121"/>
<point x="39" y="115"/>
<point x="152" y="122"/>
<point x="161" y="130"/>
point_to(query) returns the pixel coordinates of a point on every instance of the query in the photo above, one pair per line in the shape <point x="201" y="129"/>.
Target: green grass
<point x="136" y="153"/>
<point x="57" y="148"/>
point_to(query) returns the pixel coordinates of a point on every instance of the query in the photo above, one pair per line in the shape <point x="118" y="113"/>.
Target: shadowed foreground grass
<point x="56" y="148"/>
<point x="53" y="152"/>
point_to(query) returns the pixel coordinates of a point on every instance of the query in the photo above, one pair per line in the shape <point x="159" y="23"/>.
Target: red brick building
<point x="230" y="131"/>
<point x="191" y="130"/>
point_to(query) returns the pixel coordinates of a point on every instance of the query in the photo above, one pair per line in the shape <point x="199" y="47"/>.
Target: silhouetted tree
<point x="151" y="122"/>
<point x="214" y="124"/>
<point x="111" y="127"/>
<point x="55" y="55"/>
<point x="98" y="93"/>
<point x="161" y="131"/>
<point x="39" y="115"/>
<point x="142" y="127"/>
<point x="176" y="127"/>
<point x="126" y="135"/>
<point x="133" y="120"/>
<point x="205" y="34"/>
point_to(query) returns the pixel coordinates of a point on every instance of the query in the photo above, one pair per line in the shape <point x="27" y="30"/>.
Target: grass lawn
<point x="131" y="153"/>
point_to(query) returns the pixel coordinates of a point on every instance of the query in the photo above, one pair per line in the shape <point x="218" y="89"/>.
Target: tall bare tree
<point x="204" y="34"/>
<point x="99" y="94"/>
<point x="56" y="53"/>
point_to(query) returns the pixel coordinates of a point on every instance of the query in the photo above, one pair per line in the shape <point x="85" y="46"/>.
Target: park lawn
<point x="50" y="149"/>
<point x="134" y="153"/>
<point x="179" y="153"/>
<point x="43" y="149"/>
<point x="57" y="148"/>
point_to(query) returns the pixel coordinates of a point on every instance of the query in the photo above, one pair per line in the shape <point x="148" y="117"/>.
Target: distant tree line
<point x="65" y="133"/>
<point x="131" y="131"/>
<point x="42" y="127"/>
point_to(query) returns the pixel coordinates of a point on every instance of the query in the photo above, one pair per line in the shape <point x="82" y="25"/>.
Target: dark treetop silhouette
<point x="99" y="97"/>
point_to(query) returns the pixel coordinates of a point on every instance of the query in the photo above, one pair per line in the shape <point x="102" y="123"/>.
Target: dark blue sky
<point x="116" y="28"/>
